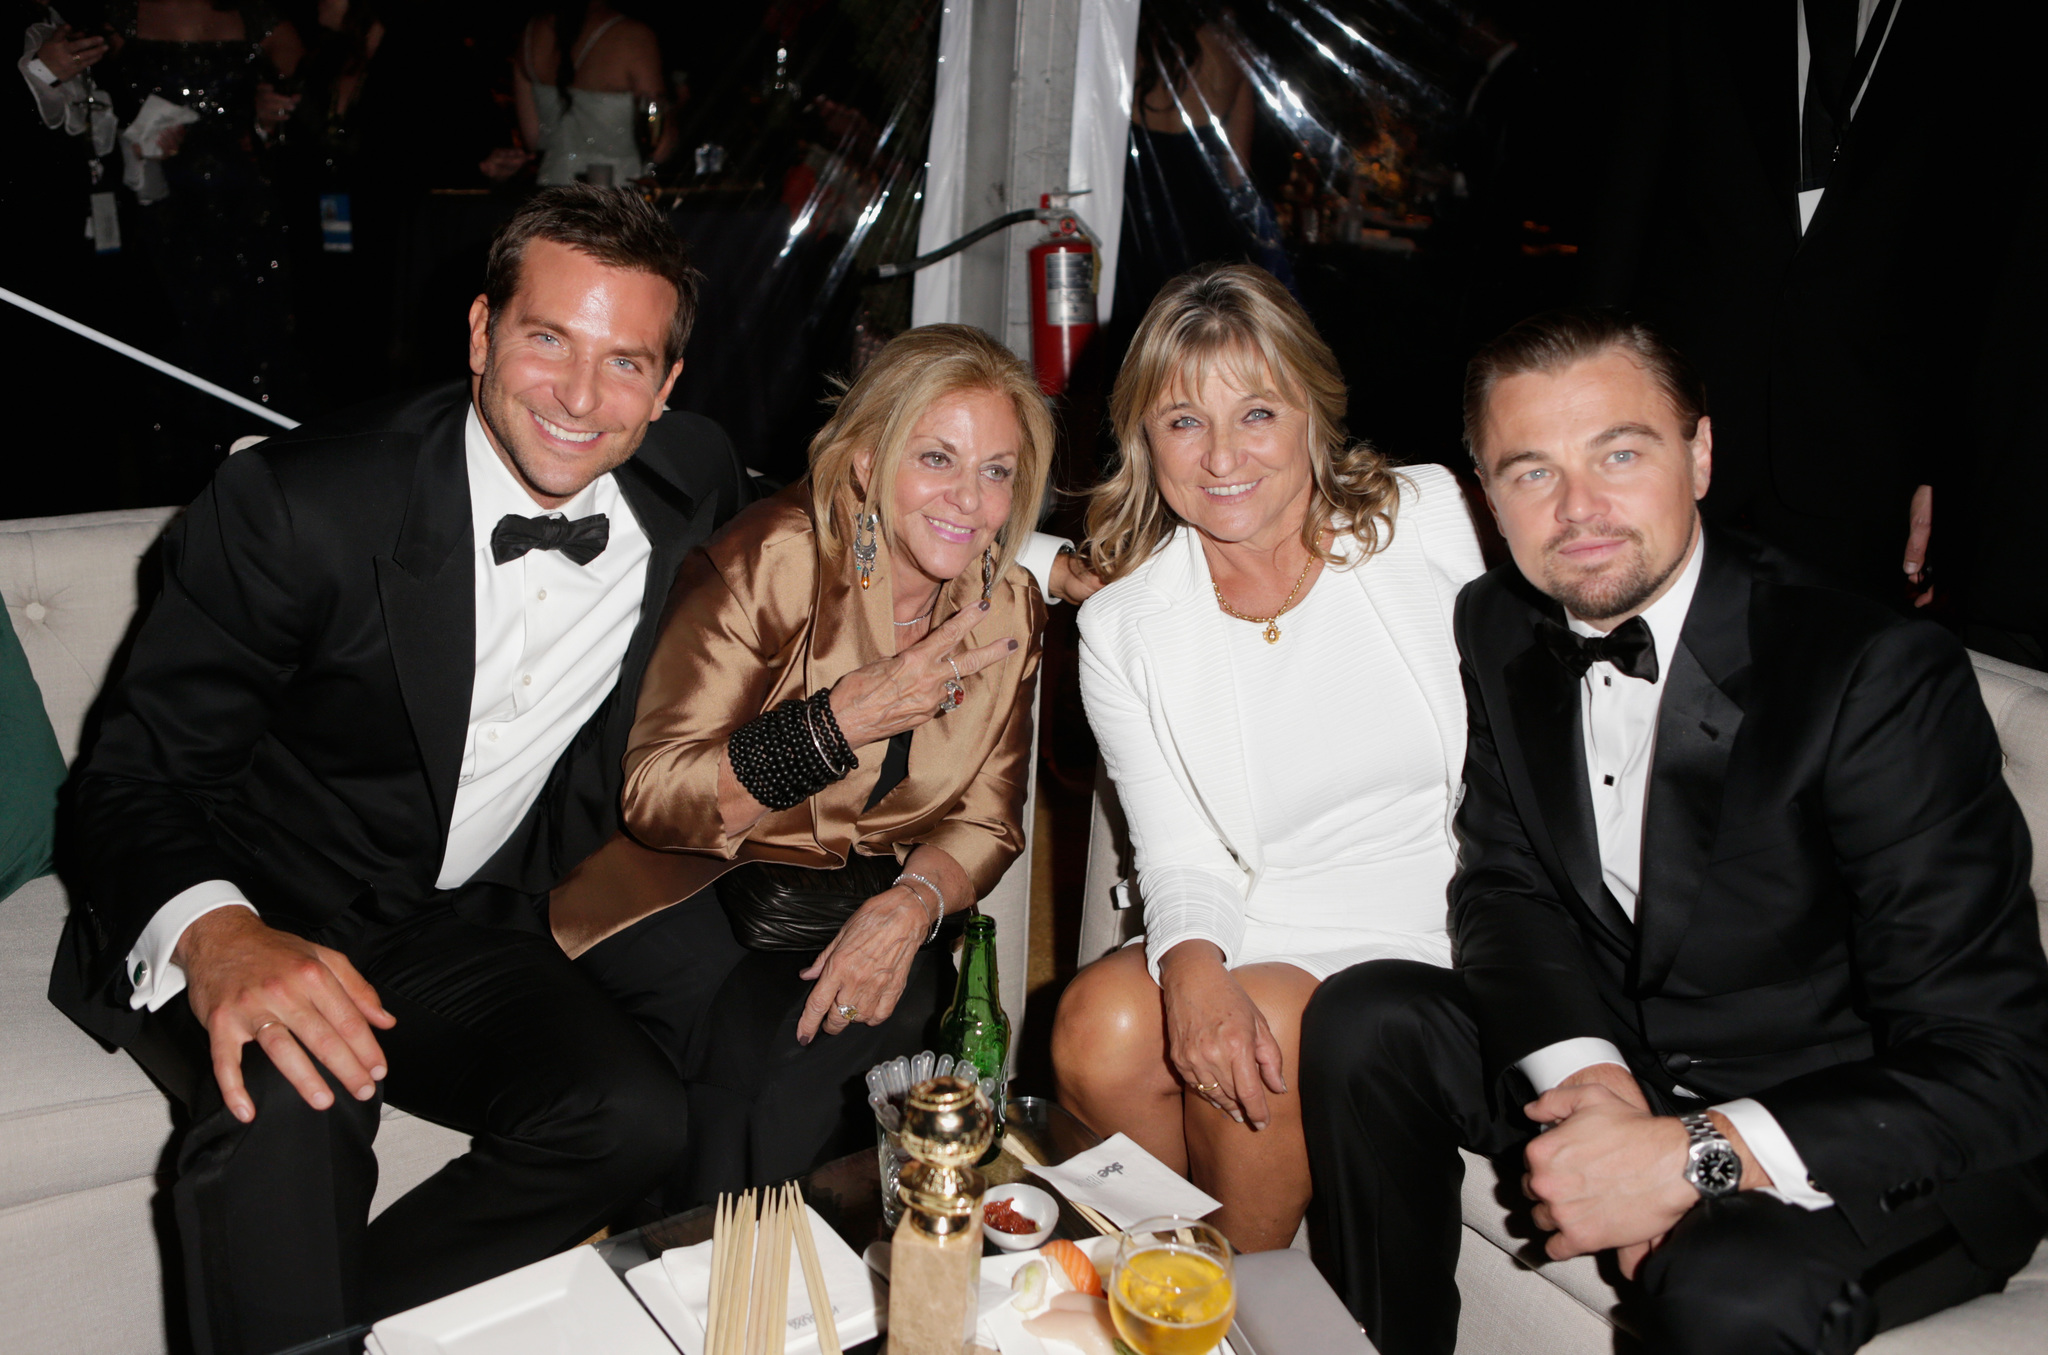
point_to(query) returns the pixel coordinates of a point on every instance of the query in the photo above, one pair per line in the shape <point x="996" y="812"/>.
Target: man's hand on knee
<point x="248" y="981"/>
<point x="1607" y="1174"/>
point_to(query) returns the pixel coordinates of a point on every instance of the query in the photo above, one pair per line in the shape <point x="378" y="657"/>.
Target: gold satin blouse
<point x="753" y="621"/>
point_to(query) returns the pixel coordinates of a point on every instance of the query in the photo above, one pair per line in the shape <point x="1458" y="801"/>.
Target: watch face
<point x="1716" y="1168"/>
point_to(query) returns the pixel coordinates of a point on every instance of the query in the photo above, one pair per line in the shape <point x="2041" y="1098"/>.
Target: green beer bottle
<point x="975" y="1028"/>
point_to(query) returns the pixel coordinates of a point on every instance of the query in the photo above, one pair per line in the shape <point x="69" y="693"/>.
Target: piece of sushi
<point x="1075" y="1263"/>
<point x="1081" y="1320"/>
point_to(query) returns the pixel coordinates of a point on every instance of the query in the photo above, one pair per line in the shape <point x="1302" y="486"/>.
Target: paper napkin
<point x="1127" y="1184"/>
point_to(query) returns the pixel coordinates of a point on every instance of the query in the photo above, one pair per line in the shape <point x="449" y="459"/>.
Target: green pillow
<point x="31" y="769"/>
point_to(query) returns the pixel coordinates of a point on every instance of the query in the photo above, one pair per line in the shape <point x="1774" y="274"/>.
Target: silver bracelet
<point x="941" y="918"/>
<point x="811" y="727"/>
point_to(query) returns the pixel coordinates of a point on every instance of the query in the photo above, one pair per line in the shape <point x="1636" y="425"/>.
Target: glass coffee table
<point x="847" y="1193"/>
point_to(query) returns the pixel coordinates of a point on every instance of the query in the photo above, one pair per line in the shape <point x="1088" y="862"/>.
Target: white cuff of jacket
<point x="149" y="967"/>
<point x="1037" y="555"/>
<point x="1767" y="1140"/>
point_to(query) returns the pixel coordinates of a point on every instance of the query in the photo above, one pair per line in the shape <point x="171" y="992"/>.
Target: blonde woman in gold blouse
<point x="791" y="713"/>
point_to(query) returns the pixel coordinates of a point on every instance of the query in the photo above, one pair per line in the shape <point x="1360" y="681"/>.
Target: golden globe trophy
<point x="935" y="1260"/>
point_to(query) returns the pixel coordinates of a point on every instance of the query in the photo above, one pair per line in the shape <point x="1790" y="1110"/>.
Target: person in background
<point x="59" y="146"/>
<point x="1270" y="674"/>
<point x="1749" y="972"/>
<point x="844" y="683"/>
<point x="209" y="220"/>
<point x="376" y="713"/>
<point x="1766" y="204"/>
<point x="583" y="78"/>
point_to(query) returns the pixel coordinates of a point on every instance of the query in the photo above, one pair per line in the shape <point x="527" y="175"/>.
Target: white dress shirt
<point x="551" y="636"/>
<point x="1618" y="721"/>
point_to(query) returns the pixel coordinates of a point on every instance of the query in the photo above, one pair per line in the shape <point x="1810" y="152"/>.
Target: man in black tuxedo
<point x="1742" y="898"/>
<point x="377" y="712"/>
<point x="1816" y="200"/>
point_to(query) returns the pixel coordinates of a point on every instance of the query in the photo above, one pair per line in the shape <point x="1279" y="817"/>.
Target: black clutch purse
<point x="774" y="906"/>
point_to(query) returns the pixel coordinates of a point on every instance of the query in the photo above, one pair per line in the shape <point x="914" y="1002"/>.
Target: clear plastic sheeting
<point x="800" y="168"/>
<point x="1322" y="140"/>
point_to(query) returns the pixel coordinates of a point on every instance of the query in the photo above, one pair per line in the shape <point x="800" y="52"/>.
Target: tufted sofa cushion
<point x="70" y="588"/>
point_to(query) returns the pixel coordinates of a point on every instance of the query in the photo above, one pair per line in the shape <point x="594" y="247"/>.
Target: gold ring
<point x="1207" y="1086"/>
<point x="848" y="1012"/>
<point x="265" y="1026"/>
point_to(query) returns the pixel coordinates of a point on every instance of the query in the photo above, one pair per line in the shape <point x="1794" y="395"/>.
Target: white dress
<point x="1351" y="813"/>
<point x="590" y="127"/>
<point x="1293" y="801"/>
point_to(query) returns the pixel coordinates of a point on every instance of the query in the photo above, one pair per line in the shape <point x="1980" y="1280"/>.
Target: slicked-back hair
<point x="614" y="227"/>
<point x="1554" y="340"/>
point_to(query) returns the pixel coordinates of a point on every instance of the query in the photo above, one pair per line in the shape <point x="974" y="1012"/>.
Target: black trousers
<point x="575" y="1115"/>
<point x="763" y="1108"/>
<point x="1392" y="1089"/>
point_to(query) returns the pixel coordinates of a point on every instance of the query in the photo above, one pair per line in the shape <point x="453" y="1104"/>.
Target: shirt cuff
<point x="33" y="67"/>
<point x="149" y="967"/>
<point x="1554" y="1063"/>
<point x="1037" y="555"/>
<point x="1773" y="1150"/>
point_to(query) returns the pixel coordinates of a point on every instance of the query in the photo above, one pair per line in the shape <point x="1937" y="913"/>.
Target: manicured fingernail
<point x="984" y="604"/>
<point x="1013" y="644"/>
<point x="1283" y="1086"/>
<point x="1237" y="1115"/>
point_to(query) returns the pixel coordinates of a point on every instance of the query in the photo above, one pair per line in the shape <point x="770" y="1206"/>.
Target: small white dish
<point x="570" y="1303"/>
<point x="1034" y="1204"/>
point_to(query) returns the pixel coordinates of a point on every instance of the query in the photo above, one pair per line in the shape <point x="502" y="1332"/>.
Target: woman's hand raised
<point x="892" y="695"/>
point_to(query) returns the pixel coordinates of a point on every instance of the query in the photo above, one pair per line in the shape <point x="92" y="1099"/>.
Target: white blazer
<point x="1159" y="704"/>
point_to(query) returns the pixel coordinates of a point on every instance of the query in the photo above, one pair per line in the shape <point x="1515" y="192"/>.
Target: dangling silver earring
<point x="988" y="572"/>
<point x="864" y="550"/>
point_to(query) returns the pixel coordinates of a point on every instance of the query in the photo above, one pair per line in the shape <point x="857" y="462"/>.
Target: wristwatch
<point x="1712" y="1166"/>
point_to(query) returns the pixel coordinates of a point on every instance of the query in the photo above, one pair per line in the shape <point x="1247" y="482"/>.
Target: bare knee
<point x="1108" y="1030"/>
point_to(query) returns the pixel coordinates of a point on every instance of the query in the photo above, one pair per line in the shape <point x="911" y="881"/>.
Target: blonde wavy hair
<point x="914" y="371"/>
<point x="1241" y="319"/>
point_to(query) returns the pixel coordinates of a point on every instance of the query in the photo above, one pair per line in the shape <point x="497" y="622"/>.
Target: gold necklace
<point x="1271" y="623"/>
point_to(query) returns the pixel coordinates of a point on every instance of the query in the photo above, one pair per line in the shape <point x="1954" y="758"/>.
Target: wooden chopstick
<point x="757" y="1294"/>
<point x="733" y="1280"/>
<point x="814" y="1277"/>
<point x="776" y="1329"/>
<point x="721" y="1252"/>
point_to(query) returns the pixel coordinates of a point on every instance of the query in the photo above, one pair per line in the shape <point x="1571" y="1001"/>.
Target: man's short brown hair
<point x="1554" y="340"/>
<point x="612" y="226"/>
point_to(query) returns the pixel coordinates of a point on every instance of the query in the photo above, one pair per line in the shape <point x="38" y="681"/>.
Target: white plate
<point x="569" y="1304"/>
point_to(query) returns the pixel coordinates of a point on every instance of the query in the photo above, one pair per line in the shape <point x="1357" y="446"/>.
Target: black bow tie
<point x="582" y="540"/>
<point x="1629" y="647"/>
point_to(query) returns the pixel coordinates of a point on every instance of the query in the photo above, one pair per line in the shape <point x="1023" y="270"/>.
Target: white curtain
<point x="1103" y="76"/>
<point x="935" y="291"/>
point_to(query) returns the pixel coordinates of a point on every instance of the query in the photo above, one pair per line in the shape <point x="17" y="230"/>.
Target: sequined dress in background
<point x="216" y="241"/>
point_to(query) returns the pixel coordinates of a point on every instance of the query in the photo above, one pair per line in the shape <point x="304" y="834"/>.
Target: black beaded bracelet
<point x="781" y="756"/>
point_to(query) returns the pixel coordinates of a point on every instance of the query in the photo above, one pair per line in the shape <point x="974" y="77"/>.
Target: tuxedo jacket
<point x="1834" y="914"/>
<point x="292" y="711"/>
<point x="1845" y="349"/>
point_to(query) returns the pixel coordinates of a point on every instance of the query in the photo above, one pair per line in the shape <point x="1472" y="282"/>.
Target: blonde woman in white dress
<point x="581" y="83"/>
<point x="1271" y="676"/>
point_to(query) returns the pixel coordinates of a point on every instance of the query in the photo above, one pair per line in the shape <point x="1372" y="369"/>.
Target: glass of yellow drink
<point x="1170" y="1287"/>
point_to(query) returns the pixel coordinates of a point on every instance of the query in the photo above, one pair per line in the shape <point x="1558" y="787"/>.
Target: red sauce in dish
<point x="1005" y="1219"/>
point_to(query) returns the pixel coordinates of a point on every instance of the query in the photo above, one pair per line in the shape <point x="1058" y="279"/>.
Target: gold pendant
<point x="1273" y="631"/>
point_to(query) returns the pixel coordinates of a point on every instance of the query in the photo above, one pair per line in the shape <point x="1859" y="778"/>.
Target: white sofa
<point x="1516" y="1302"/>
<point x="85" y="1137"/>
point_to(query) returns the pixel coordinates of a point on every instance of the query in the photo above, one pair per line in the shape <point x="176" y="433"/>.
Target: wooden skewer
<point x="777" y="1327"/>
<point x="734" y="1277"/>
<point x="721" y="1251"/>
<point x="814" y="1277"/>
<point x="758" y="1316"/>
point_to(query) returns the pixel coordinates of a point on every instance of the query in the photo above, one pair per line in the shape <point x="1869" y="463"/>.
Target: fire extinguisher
<point x="1063" y="282"/>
